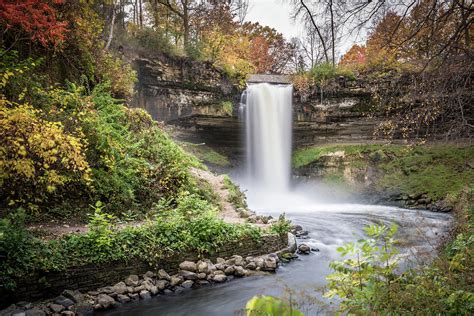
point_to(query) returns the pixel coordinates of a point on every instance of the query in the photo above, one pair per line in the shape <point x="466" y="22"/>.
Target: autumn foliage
<point x="34" y="19"/>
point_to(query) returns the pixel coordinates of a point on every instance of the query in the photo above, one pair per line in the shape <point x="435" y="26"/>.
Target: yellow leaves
<point x="37" y="157"/>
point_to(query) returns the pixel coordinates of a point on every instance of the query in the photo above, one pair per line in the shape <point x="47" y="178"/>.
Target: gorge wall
<point x="189" y="95"/>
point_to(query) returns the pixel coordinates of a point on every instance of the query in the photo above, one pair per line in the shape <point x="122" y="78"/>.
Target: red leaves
<point x="36" y="18"/>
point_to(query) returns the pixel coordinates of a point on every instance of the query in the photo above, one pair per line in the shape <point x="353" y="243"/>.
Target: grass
<point x="440" y="171"/>
<point x="206" y="154"/>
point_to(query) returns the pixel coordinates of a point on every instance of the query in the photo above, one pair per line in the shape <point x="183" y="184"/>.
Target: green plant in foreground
<point x="369" y="269"/>
<point x="270" y="306"/>
<point x="282" y="226"/>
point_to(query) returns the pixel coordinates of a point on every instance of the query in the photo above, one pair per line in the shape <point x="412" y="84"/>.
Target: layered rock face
<point x="188" y="95"/>
<point x="172" y="88"/>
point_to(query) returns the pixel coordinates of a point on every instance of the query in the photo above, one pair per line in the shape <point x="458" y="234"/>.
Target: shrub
<point x="270" y="306"/>
<point x="38" y="159"/>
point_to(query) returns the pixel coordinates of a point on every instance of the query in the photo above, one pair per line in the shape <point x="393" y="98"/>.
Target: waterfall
<point x="268" y="119"/>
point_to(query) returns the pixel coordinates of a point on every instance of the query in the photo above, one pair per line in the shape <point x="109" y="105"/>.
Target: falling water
<point x="268" y="119"/>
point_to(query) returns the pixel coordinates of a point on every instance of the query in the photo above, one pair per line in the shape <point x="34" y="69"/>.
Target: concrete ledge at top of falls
<point x="259" y="78"/>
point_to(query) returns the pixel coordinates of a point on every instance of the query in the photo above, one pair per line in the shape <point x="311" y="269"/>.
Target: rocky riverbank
<point x="190" y="275"/>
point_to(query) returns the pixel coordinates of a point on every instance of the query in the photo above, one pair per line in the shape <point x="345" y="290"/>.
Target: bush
<point x="38" y="159"/>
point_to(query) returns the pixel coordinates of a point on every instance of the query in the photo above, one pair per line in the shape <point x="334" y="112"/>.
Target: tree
<point x="356" y="55"/>
<point x="34" y="20"/>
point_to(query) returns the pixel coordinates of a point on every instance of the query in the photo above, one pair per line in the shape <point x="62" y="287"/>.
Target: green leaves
<point x="370" y="267"/>
<point x="270" y="306"/>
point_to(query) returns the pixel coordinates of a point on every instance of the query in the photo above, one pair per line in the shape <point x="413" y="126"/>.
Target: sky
<point x="277" y="14"/>
<point x="274" y="13"/>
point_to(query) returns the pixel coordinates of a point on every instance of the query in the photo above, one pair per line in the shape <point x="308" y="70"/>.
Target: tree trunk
<point x="111" y="31"/>
<point x="185" y="24"/>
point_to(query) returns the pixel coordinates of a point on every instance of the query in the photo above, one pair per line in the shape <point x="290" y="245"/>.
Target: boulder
<point x="220" y="260"/>
<point x="220" y="266"/>
<point x="218" y="272"/>
<point x="121" y="298"/>
<point x="188" y="266"/>
<point x="162" y="284"/>
<point x="202" y="276"/>
<point x="67" y="313"/>
<point x="138" y="289"/>
<point x="120" y="288"/>
<point x="270" y="264"/>
<point x="205" y="266"/>
<point x="163" y="275"/>
<point x="56" y="308"/>
<point x="304" y="249"/>
<point x="61" y="300"/>
<point x="240" y="271"/>
<point x="149" y="274"/>
<point x="178" y="289"/>
<point x="219" y="278"/>
<point x="188" y="275"/>
<point x="176" y="280"/>
<point x="144" y="295"/>
<point x="75" y="296"/>
<point x="134" y="296"/>
<point x="187" y="284"/>
<point x="251" y="266"/>
<point x="238" y="260"/>
<point x="132" y="280"/>
<point x="105" y="301"/>
<point x="229" y="270"/>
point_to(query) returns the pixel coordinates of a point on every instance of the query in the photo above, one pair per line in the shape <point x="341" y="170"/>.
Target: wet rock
<point x="270" y="264"/>
<point x="205" y="266"/>
<point x="220" y="278"/>
<point x="296" y="228"/>
<point x="188" y="266"/>
<point x="315" y="249"/>
<point x="75" y="296"/>
<point x="134" y="296"/>
<point x="163" y="275"/>
<point x="138" y="289"/>
<point x="56" y="308"/>
<point x="187" y="284"/>
<point x="64" y="301"/>
<point x="251" y="266"/>
<point x="120" y="288"/>
<point x="144" y="295"/>
<point x="239" y="261"/>
<point x="162" y="284"/>
<point x="168" y="292"/>
<point x="220" y="266"/>
<point x="176" y="280"/>
<point x="304" y="249"/>
<point x="188" y="275"/>
<point x="149" y="274"/>
<point x="105" y="301"/>
<point x="67" y="313"/>
<point x="229" y="270"/>
<point x="123" y="298"/>
<point x="240" y="271"/>
<point x="132" y="280"/>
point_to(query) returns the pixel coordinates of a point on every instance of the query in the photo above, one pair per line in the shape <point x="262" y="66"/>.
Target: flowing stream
<point x="330" y="224"/>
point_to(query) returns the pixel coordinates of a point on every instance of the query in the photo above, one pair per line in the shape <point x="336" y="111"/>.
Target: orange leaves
<point x="36" y="18"/>
<point x="354" y="56"/>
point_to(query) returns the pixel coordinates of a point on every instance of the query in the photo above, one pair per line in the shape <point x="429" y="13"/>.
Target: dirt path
<point x="228" y="212"/>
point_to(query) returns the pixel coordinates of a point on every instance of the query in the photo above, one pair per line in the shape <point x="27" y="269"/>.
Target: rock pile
<point x="190" y="275"/>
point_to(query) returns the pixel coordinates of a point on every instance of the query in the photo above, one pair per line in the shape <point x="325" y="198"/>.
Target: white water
<point x="268" y="119"/>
